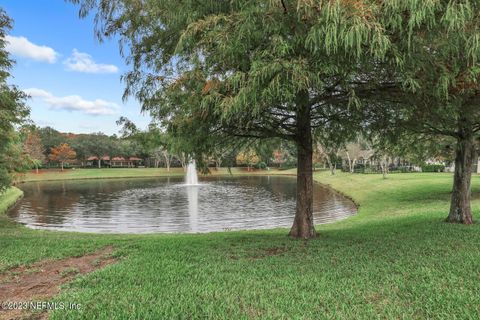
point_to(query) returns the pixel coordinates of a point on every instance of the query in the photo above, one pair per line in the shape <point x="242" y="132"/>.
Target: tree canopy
<point x="303" y="71"/>
<point x="13" y="110"/>
<point x="250" y="70"/>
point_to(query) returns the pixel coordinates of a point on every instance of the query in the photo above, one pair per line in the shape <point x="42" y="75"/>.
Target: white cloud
<point x="22" y="47"/>
<point x="74" y="103"/>
<point x="83" y="62"/>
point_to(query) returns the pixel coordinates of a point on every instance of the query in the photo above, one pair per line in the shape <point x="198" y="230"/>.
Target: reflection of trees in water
<point x="49" y="203"/>
<point x="162" y="205"/>
<point x="284" y="189"/>
<point x="56" y="202"/>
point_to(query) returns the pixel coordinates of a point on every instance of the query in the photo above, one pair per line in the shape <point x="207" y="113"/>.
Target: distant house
<point x="117" y="162"/>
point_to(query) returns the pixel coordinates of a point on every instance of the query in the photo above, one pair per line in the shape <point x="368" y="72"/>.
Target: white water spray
<point x="192" y="177"/>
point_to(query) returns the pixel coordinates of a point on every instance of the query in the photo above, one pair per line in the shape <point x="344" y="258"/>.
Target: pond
<point x="167" y="205"/>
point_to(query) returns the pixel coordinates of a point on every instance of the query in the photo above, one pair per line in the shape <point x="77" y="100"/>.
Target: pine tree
<point x="436" y="46"/>
<point x="248" y="70"/>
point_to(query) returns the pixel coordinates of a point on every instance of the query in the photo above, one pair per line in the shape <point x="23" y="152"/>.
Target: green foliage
<point x="261" y="165"/>
<point x="436" y="53"/>
<point x="50" y="138"/>
<point x="208" y="71"/>
<point x="13" y="111"/>
<point x="433" y="168"/>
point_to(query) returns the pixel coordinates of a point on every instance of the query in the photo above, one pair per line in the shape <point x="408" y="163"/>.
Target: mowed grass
<point x="8" y="198"/>
<point x="104" y="173"/>
<point x="107" y="173"/>
<point x="396" y="259"/>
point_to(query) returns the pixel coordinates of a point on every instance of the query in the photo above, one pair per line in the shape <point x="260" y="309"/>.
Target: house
<point x="118" y="162"/>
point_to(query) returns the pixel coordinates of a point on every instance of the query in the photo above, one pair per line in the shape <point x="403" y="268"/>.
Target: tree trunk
<point x="99" y="163"/>
<point x="349" y="162"/>
<point x="61" y="163"/>
<point x="167" y="160"/>
<point x="384" y="166"/>
<point x="36" y="168"/>
<point x="332" y="166"/>
<point x="303" y="225"/>
<point x="460" y="210"/>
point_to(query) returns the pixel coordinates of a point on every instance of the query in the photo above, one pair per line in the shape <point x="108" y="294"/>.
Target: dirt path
<point x="42" y="280"/>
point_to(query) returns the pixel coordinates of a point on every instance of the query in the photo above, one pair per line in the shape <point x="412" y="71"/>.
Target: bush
<point x="433" y="168"/>
<point x="261" y="165"/>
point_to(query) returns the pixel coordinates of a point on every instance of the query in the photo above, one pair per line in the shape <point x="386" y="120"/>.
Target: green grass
<point x="107" y="173"/>
<point x="396" y="259"/>
<point x="104" y="173"/>
<point x="8" y="198"/>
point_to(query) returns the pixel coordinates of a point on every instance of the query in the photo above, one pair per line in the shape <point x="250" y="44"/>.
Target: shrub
<point x="433" y="168"/>
<point x="261" y="165"/>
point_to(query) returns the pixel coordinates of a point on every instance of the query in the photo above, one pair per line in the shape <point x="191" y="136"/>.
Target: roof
<point x="107" y="158"/>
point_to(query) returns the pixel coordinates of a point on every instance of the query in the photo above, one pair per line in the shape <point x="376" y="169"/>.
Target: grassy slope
<point x="396" y="258"/>
<point x="9" y="198"/>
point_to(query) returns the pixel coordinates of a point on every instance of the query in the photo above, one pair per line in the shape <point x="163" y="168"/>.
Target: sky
<point x="73" y="80"/>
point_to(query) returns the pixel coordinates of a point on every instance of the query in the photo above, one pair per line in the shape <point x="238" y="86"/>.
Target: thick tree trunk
<point x="99" y="163"/>
<point x="460" y="210"/>
<point x="332" y="166"/>
<point x="36" y="168"/>
<point x="61" y="165"/>
<point x="303" y="225"/>
<point x="167" y="160"/>
<point x="350" y="168"/>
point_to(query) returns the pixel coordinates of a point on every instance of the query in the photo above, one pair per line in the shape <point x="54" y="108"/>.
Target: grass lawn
<point x="106" y="173"/>
<point x="395" y="259"/>
<point x="9" y="198"/>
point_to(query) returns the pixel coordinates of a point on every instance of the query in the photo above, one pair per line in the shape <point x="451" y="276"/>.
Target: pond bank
<point x="9" y="198"/>
<point x="108" y="173"/>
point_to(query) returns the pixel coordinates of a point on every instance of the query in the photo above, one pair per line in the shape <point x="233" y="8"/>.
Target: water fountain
<point x="192" y="178"/>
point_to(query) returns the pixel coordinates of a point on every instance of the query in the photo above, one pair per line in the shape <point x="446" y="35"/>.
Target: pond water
<point x="167" y="205"/>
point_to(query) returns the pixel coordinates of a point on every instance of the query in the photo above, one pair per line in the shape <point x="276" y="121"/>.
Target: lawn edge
<point x="9" y="198"/>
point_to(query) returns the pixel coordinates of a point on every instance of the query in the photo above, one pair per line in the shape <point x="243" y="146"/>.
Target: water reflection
<point x="166" y="205"/>
<point x="192" y="192"/>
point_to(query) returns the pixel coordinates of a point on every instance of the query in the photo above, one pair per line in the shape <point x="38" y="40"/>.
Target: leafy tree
<point x="13" y="111"/>
<point x="34" y="149"/>
<point x="83" y="146"/>
<point x="265" y="148"/>
<point x="248" y="157"/>
<point x="247" y="69"/>
<point x="50" y="138"/>
<point x="63" y="153"/>
<point x="154" y="142"/>
<point x="99" y="146"/>
<point x="436" y="74"/>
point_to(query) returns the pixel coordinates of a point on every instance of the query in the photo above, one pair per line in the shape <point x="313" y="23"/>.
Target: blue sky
<point x="74" y="80"/>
